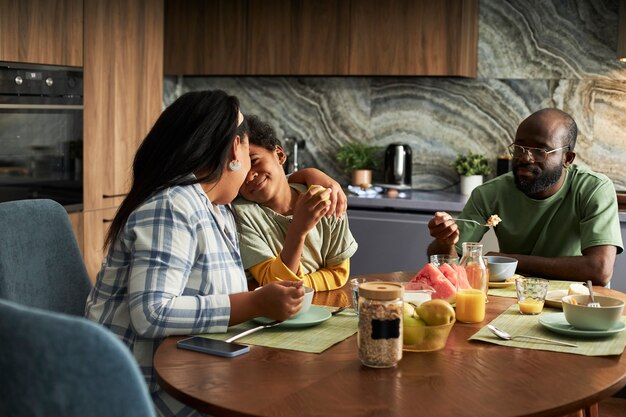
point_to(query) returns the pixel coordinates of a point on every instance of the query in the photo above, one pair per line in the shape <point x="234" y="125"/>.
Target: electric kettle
<point x="398" y="164"/>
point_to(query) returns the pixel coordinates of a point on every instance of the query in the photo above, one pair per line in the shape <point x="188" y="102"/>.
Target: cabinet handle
<point x="107" y="220"/>
<point x="114" y="195"/>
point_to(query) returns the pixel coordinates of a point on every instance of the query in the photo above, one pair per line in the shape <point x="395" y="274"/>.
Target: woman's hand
<point x="280" y="300"/>
<point x="338" y="199"/>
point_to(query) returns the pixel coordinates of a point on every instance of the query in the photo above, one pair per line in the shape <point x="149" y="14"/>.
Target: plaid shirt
<point x="169" y="273"/>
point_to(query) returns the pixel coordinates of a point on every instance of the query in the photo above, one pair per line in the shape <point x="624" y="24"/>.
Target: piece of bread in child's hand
<point x="319" y="190"/>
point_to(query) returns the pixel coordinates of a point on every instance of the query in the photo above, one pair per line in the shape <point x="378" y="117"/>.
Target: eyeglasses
<point x="538" y="154"/>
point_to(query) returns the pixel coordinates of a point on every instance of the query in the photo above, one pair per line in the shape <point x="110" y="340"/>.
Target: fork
<point x="593" y="302"/>
<point x="471" y="221"/>
<point x="253" y="330"/>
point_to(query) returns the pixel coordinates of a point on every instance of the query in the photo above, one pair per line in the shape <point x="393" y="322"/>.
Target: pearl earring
<point x="234" y="165"/>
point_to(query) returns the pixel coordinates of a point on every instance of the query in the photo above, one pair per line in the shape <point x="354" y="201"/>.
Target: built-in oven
<point x="41" y="133"/>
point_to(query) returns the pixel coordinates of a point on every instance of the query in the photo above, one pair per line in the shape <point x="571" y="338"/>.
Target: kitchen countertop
<point x="418" y="201"/>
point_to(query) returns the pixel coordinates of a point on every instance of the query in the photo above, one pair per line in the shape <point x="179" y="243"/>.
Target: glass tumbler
<point x="531" y="294"/>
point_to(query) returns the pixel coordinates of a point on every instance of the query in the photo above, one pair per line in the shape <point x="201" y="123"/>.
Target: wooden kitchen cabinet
<point x="205" y="37"/>
<point x="76" y="220"/>
<point x="123" y="91"/>
<point x="123" y="96"/>
<point x="323" y="37"/>
<point x="298" y="37"/>
<point x="42" y="32"/>
<point x="414" y="37"/>
<point x="95" y="227"/>
<point x="256" y="37"/>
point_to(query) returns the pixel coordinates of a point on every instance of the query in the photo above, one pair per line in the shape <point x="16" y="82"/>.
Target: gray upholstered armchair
<point x="55" y="364"/>
<point x="40" y="263"/>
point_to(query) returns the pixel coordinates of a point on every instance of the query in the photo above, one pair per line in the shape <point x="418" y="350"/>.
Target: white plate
<point x="556" y="322"/>
<point x="553" y="298"/>
<point x="314" y="316"/>
<point x="510" y="280"/>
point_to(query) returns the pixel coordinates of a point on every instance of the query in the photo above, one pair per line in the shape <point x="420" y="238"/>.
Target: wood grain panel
<point x="269" y="37"/>
<point x="205" y="37"/>
<point x="319" y="41"/>
<point x="76" y="220"/>
<point x="298" y="37"/>
<point x="42" y="31"/>
<point x="413" y="37"/>
<point x="123" y="84"/>
<point x="96" y="224"/>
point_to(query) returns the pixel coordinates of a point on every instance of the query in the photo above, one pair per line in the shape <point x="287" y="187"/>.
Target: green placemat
<point x="510" y="291"/>
<point x="515" y="323"/>
<point x="315" y="339"/>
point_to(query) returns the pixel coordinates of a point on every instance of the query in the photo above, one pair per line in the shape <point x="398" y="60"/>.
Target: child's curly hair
<point x="261" y="133"/>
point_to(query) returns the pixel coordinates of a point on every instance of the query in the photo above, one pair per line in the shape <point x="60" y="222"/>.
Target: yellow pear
<point x="436" y="312"/>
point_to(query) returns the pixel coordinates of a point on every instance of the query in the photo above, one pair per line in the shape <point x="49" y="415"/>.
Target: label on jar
<point x="386" y="329"/>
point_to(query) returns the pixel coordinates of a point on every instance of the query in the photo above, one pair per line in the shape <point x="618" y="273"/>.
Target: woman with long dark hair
<point x="173" y="265"/>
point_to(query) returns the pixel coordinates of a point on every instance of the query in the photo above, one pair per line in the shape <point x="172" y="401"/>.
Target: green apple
<point x="408" y="310"/>
<point x="436" y="312"/>
<point x="413" y="327"/>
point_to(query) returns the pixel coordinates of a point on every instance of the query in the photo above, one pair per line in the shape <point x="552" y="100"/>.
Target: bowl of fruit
<point x="426" y="327"/>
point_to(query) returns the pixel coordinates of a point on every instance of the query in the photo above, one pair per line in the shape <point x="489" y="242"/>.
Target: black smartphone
<point x="212" y="346"/>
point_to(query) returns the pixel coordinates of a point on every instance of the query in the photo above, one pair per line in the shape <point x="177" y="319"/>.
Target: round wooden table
<point x="465" y="379"/>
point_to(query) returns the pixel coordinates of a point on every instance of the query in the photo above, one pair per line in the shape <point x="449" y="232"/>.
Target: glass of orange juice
<point x="531" y="294"/>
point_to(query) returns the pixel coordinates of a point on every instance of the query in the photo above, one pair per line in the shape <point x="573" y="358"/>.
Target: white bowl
<point x="306" y="301"/>
<point x="582" y="317"/>
<point x="501" y="267"/>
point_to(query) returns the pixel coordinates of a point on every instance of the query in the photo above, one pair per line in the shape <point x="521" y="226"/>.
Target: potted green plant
<point x="359" y="159"/>
<point x="471" y="169"/>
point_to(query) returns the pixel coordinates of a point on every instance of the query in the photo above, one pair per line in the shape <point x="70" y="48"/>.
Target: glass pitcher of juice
<point x="471" y="285"/>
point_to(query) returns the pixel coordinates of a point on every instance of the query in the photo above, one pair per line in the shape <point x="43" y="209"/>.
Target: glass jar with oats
<point x="380" y="324"/>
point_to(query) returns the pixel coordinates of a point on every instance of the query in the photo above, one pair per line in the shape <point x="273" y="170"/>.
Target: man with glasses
<point x="559" y="220"/>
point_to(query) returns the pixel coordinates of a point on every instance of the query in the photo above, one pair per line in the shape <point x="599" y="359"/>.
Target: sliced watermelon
<point x="449" y="272"/>
<point x="430" y="275"/>
<point x="462" y="276"/>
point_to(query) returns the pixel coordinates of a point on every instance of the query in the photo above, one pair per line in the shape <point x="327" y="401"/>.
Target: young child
<point x="283" y="231"/>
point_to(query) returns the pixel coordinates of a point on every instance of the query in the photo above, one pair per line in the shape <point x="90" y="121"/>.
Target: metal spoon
<point x="339" y="310"/>
<point x="591" y="302"/>
<point x="504" y="335"/>
<point x="252" y="330"/>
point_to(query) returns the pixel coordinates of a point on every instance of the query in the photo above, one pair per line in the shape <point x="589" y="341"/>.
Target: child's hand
<point x="310" y="207"/>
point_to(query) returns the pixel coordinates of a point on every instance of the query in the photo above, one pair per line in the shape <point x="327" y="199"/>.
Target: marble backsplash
<point x="531" y="54"/>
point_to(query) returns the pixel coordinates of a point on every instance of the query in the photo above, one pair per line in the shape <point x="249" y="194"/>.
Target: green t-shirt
<point x="582" y="214"/>
<point x="262" y="234"/>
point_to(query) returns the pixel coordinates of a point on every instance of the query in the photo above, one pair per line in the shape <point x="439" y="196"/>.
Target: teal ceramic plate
<point x="556" y="322"/>
<point x="314" y="316"/>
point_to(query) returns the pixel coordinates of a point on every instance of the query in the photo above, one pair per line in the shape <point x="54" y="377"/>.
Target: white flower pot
<point x="468" y="183"/>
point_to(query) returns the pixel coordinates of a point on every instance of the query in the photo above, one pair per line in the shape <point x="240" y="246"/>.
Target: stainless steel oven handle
<point x="42" y="106"/>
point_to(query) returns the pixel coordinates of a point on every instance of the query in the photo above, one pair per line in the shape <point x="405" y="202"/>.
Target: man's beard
<point x="541" y="183"/>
